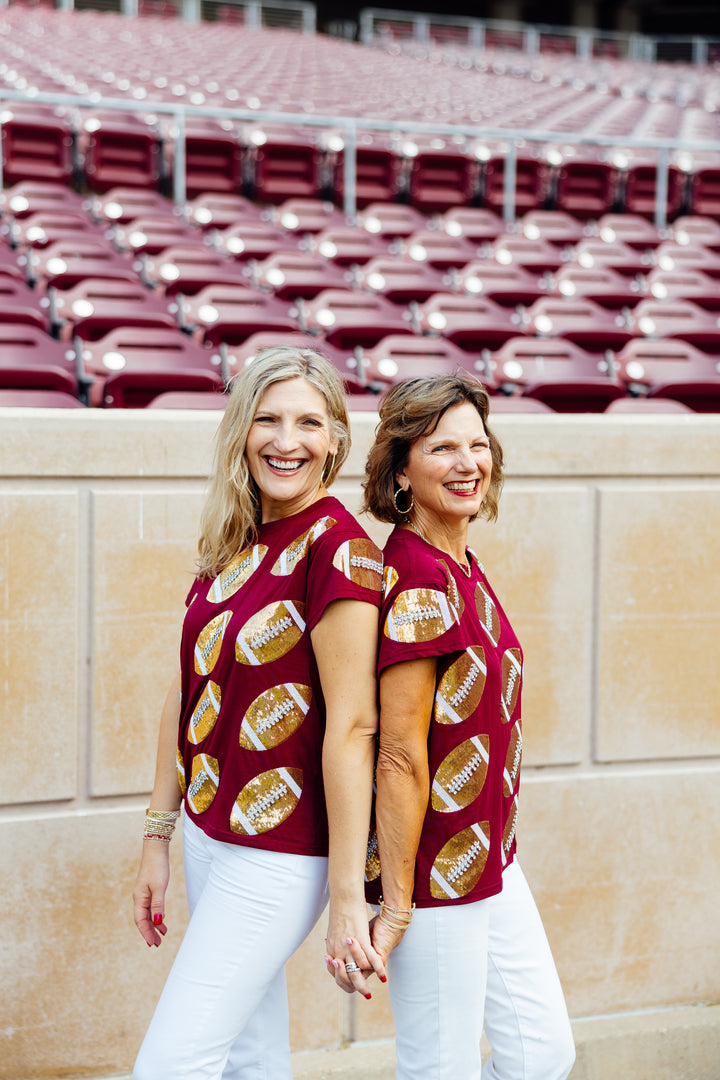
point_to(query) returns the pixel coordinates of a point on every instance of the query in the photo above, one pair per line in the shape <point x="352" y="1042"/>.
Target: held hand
<point x="348" y="945"/>
<point x="149" y="892"/>
<point x="384" y="938"/>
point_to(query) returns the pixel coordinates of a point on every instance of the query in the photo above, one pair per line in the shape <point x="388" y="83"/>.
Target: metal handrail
<point x="350" y="127"/>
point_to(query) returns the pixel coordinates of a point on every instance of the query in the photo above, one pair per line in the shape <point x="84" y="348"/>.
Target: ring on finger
<point x="352" y="967"/>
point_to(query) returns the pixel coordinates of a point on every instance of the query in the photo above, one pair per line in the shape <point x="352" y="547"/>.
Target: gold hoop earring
<point x="404" y="513"/>
<point x="329" y="461"/>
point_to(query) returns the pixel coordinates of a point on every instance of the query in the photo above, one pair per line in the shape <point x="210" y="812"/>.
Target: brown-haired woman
<point x="268" y="733"/>
<point x="470" y="949"/>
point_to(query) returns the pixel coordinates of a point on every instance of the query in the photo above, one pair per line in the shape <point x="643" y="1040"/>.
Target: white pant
<point x="223" y="1011"/>
<point x="489" y="960"/>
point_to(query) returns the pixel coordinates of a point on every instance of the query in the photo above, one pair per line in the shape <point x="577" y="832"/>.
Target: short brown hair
<point x="413" y="408"/>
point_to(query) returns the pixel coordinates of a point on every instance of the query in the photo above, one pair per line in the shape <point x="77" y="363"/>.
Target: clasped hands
<point x="352" y="960"/>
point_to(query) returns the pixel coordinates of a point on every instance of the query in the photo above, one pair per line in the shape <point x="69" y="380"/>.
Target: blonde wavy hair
<point x="410" y="410"/>
<point x="232" y="510"/>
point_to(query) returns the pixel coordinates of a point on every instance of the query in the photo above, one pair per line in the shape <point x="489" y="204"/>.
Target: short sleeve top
<point x="252" y="711"/>
<point x="431" y="608"/>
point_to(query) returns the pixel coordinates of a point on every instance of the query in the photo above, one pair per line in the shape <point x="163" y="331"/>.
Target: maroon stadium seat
<point x="472" y="323"/>
<point x="556" y="372"/>
<point x="95" y="306"/>
<point x="231" y="312"/>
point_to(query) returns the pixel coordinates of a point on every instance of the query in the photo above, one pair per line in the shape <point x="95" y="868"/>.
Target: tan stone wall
<point x="606" y="557"/>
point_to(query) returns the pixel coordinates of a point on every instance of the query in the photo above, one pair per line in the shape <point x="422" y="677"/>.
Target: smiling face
<point x="287" y="447"/>
<point x="449" y="470"/>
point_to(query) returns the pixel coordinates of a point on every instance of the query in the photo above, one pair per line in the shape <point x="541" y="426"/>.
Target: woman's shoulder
<point x="411" y="563"/>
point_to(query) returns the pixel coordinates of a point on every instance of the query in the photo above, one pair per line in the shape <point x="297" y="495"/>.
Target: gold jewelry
<point x="395" y="918"/>
<point x="160" y="824"/>
<point x="403" y="513"/>
<point x="330" y="460"/>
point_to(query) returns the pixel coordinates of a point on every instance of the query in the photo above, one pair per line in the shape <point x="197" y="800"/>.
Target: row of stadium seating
<point x="115" y="298"/>
<point x="88" y="55"/>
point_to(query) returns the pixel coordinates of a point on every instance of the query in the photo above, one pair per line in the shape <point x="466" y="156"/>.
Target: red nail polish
<point x="368" y="997"/>
<point x="157" y="919"/>
<point x="382" y="978"/>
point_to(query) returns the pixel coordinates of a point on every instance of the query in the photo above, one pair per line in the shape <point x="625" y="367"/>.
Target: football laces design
<point x="274" y="716"/>
<point x="511" y="682"/>
<point x="205" y="715"/>
<point x="361" y="562"/>
<point x="487" y="613"/>
<point x="419" y="615"/>
<point x="236" y="574"/>
<point x="266" y="801"/>
<point x="298" y="549"/>
<point x="461" y="687"/>
<point x="270" y="633"/>
<point x="461" y="775"/>
<point x="209" y="643"/>
<point x="460" y="863"/>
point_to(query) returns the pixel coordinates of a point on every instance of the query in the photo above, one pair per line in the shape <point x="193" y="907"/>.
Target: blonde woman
<point x="468" y="947"/>
<point x="267" y="734"/>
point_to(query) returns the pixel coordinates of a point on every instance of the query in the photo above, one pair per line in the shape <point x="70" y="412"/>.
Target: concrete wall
<point x="606" y="556"/>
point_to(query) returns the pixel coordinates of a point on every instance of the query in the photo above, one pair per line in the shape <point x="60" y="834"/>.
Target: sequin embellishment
<point x="460" y="777"/>
<point x="361" y="562"/>
<point x="266" y="801"/>
<point x="236" y="574"/>
<point x="206" y="712"/>
<point x="274" y="716"/>
<point x="461" y="687"/>
<point x="419" y="615"/>
<point x="457" y="868"/>
<point x="298" y="549"/>
<point x="270" y="633"/>
<point x="209" y="643"/>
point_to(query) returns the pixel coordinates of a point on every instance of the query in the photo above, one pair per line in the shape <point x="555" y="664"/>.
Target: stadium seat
<point x="231" y="312"/>
<point x="438" y="249"/>
<point x="214" y="210"/>
<point x="586" y="186"/>
<point x="537" y="256"/>
<point x="441" y="174"/>
<point x="472" y="323"/>
<point x="532" y="178"/>
<point x="189" y="399"/>
<point x="20" y="304"/>
<point x="506" y="285"/>
<point x="38" y="196"/>
<point x="189" y="269"/>
<point x="553" y="226"/>
<point x="377" y="167"/>
<point x="38" y="399"/>
<point x="123" y="204"/>
<point x="647" y="406"/>
<point x="671" y="369"/>
<point x="131" y="365"/>
<point x="307" y="215"/>
<point x="693" y="229"/>
<point x="640" y="186"/>
<point x="556" y="372"/>
<point x="582" y="321"/>
<point x="348" y="319"/>
<point x="398" y="357"/>
<point x="677" y="319"/>
<point x="213" y="157"/>
<point x="290" y="274"/>
<point x="400" y="279"/>
<point x="45" y="227"/>
<point x="119" y="149"/>
<point x="343" y="359"/>
<point x="684" y="285"/>
<point x="284" y="162"/>
<point x="630" y="229"/>
<point x="475" y="224"/>
<point x="30" y="359"/>
<point x="669" y="256"/>
<point x="391" y="220"/>
<point x="95" y="306"/>
<point x="151" y="235"/>
<point x="500" y="403"/>
<point x="253" y="240"/>
<point x="348" y="246"/>
<point x="36" y="143"/>
<point x="66" y="262"/>
<point x="616" y="255"/>
<point x="605" y="286"/>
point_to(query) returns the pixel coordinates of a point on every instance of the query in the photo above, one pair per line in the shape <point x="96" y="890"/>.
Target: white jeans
<point x="485" y="961"/>
<point x="223" y="1011"/>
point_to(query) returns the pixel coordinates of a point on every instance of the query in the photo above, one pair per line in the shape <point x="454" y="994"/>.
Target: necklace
<point x="464" y="566"/>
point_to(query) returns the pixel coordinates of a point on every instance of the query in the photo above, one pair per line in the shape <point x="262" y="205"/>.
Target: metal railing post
<point x="477" y="35"/>
<point x="509" y="180"/>
<point x="253" y="15"/>
<point x="309" y="18"/>
<point x="179" y="178"/>
<point x="350" y="171"/>
<point x="661" y="187"/>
